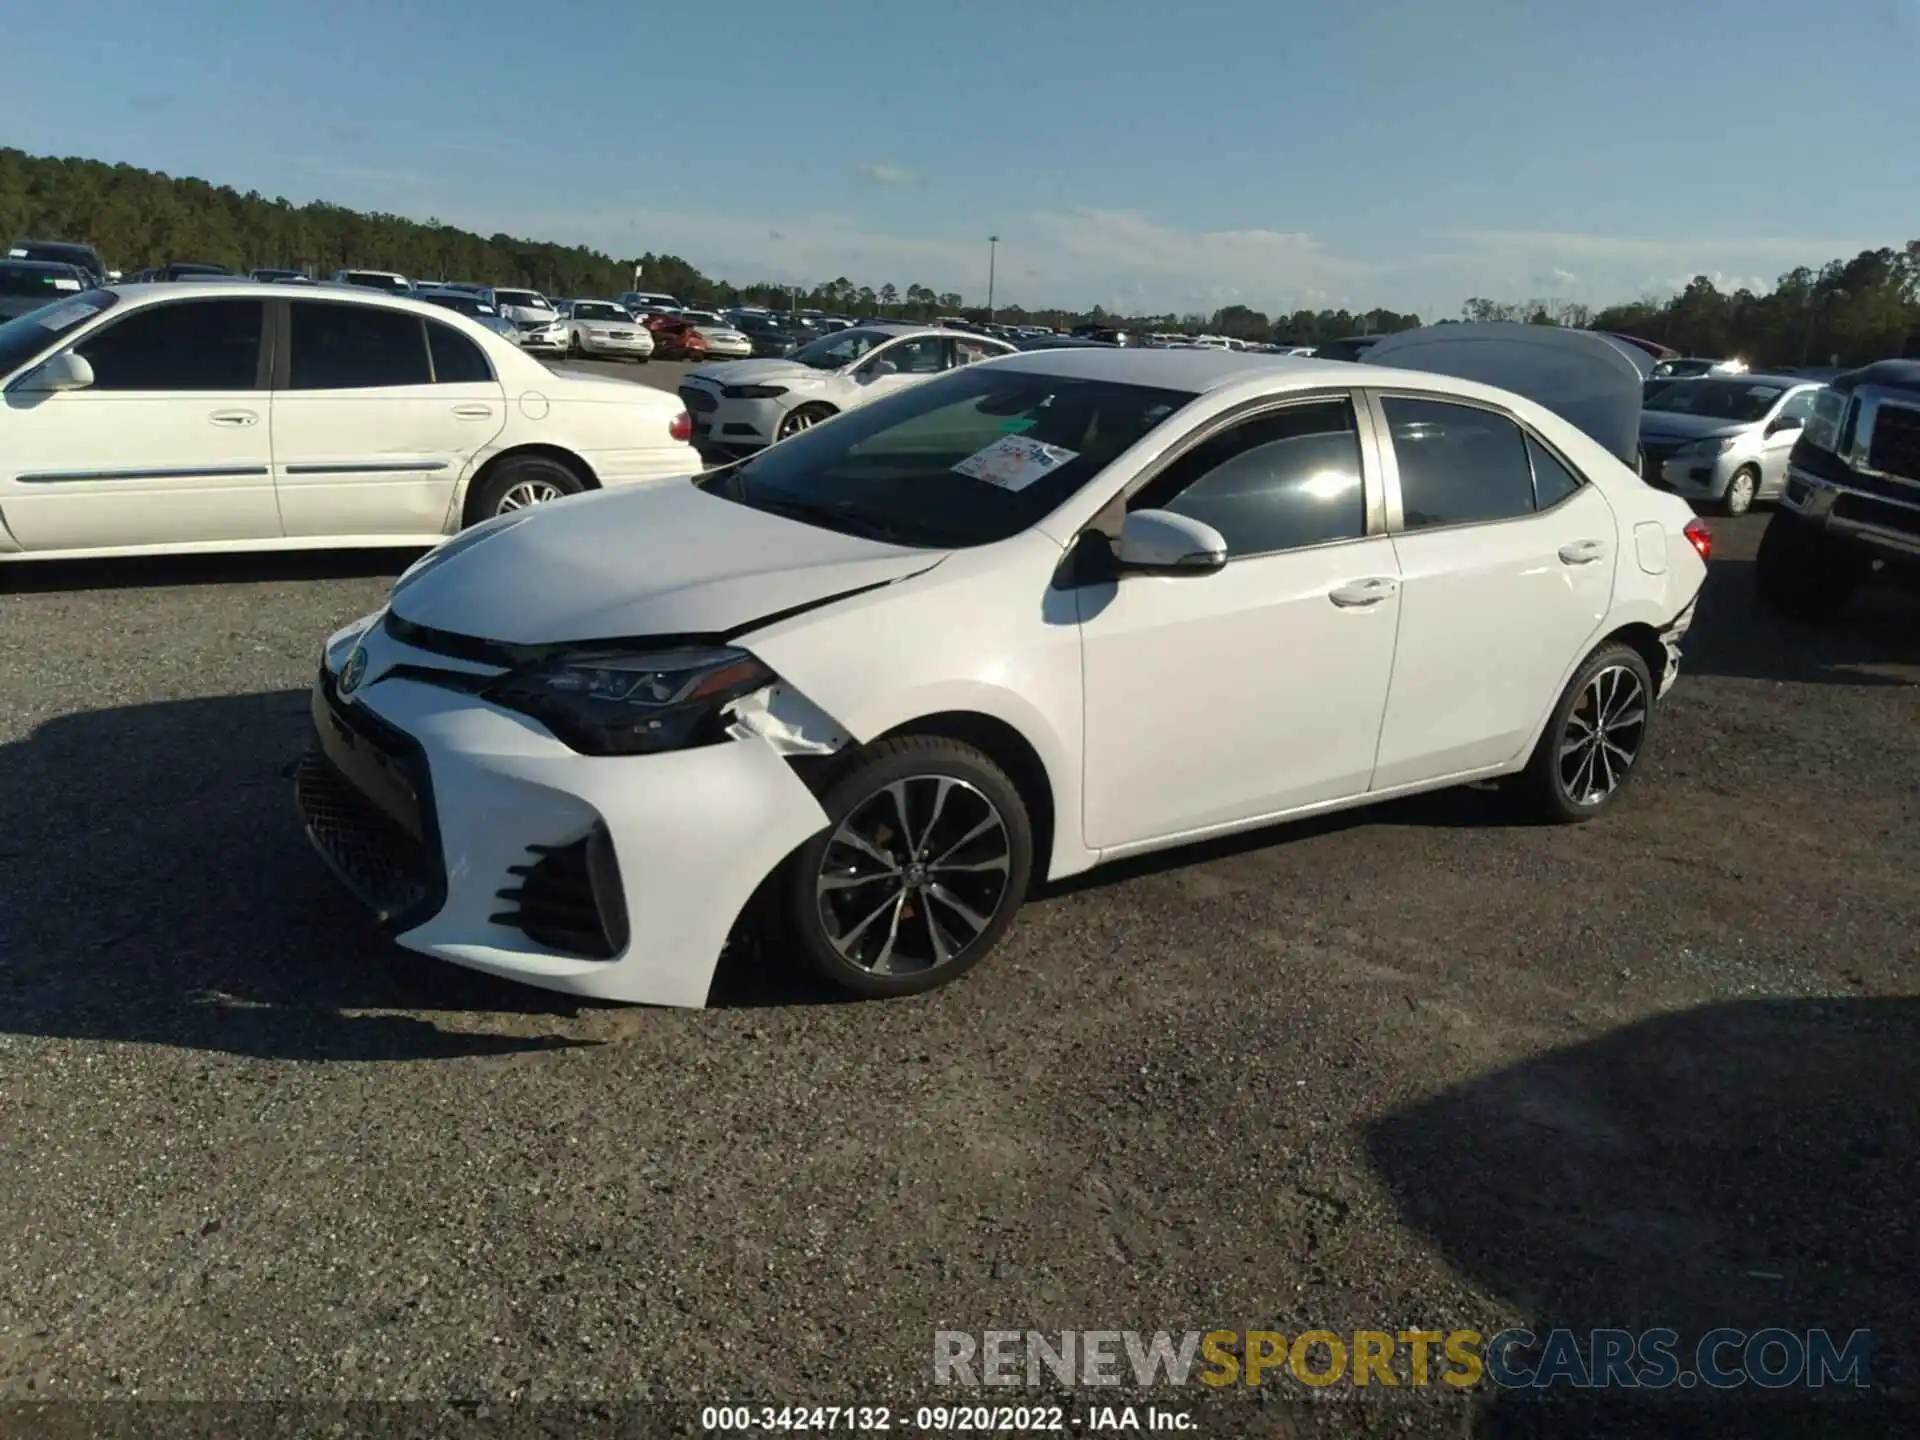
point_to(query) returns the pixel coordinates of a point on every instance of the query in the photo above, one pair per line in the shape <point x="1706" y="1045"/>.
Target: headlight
<point x="613" y="703"/>
<point x="1719" y="445"/>
<point x="752" y="392"/>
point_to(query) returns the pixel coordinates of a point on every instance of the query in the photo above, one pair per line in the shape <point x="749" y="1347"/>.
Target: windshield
<point x="532" y="299"/>
<point x="32" y="280"/>
<point x="376" y="279"/>
<point x="24" y="339"/>
<point x="973" y="457"/>
<point x="840" y="349"/>
<point x="702" y="317"/>
<point x="599" y="310"/>
<point x="1716" y="399"/>
<point x="465" y="304"/>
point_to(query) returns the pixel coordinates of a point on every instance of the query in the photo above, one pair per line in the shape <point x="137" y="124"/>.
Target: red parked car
<point x="676" y="339"/>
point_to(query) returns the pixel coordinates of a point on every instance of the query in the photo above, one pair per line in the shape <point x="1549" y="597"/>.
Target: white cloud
<point x="1132" y="262"/>
<point x="881" y="174"/>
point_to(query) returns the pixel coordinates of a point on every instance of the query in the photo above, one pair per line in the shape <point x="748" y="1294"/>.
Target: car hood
<point x="759" y="372"/>
<point x="1670" y="425"/>
<point x="654" y="561"/>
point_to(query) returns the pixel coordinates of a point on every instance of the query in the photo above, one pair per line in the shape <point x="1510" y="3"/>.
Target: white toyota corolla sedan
<point x="749" y="404"/>
<point x="152" y="419"/>
<point x="1033" y="615"/>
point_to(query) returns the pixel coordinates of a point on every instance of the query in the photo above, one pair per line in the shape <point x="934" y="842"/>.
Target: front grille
<point x="1896" y="442"/>
<point x="569" y="898"/>
<point x="1864" y="510"/>
<point x="700" y="402"/>
<point x="382" y="864"/>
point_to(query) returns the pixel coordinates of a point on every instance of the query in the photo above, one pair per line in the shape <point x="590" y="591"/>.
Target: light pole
<point x="993" y="244"/>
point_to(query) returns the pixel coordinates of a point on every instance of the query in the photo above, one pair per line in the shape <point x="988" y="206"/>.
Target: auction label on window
<point x="1014" y="462"/>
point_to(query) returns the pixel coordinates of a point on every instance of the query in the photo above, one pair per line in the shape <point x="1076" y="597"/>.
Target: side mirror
<point x="65" y="371"/>
<point x="1785" y="423"/>
<point x="1159" y="542"/>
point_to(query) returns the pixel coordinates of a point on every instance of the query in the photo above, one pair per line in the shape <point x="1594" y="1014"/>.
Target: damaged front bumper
<point x="619" y="877"/>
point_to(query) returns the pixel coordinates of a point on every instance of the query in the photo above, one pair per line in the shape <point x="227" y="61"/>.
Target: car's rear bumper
<point x="480" y="839"/>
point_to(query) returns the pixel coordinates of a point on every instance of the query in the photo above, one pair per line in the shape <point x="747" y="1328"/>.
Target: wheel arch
<point x="559" y="454"/>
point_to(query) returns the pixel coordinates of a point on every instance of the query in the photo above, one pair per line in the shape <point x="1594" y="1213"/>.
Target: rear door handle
<point x="1357" y="594"/>
<point x="474" y="412"/>
<point x="234" y="417"/>
<point x="1582" y="552"/>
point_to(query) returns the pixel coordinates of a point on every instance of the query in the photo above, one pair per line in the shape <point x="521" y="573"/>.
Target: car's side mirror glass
<point x="1159" y="542"/>
<point x="65" y="371"/>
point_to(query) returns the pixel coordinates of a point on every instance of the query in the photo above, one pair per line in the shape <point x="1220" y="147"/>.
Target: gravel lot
<point x="1411" y="1067"/>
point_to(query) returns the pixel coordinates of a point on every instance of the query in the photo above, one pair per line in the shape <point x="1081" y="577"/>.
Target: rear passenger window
<point x="456" y="359"/>
<point x="1459" y="465"/>
<point x="355" y="347"/>
<point x="1552" y="480"/>
<point x="1279" y="481"/>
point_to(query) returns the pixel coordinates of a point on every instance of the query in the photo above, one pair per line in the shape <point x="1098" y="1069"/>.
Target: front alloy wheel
<point x="805" y="418"/>
<point x="919" y="871"/>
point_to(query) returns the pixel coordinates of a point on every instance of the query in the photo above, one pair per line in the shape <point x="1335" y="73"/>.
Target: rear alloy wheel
<point x="923" y="862"/>
<point x="804" y="418"/>
<point x="1593" y="740"/>
<point x="1741" y="490"/>
<point x="524" y="481"/>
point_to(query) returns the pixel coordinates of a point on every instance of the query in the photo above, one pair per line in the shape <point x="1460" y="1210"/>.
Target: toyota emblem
<point x="354" y="671"/>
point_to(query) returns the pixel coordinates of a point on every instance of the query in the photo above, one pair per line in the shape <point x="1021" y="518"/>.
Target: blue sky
<point x="1143" y="156"/>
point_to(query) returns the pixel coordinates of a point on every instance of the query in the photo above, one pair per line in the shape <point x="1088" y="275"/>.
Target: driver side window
<point x="1282" y="480"/>
<point x="925" y="356"/>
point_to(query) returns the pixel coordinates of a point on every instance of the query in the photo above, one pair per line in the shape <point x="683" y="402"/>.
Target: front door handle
<point x="1358" y="594"/>
<point x="474" y="412"/>
<point x="1582" y="552"/>
<point x="234" y="417"/>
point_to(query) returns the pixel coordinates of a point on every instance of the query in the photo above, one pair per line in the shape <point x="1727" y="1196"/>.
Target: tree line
<point x="1846" y="312"/>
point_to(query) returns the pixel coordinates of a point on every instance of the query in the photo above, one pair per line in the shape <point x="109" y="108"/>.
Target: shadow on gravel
<point x="158" y="571"/>
<point x="1734" y="636"/>
<point x="158" y="889"/>
<point x="1751" y="1164"/>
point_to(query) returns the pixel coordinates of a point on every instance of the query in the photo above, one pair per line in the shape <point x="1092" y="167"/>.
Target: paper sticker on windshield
<point x="62" y="283"/>
<point x="1014" y="462"/>
<point x="16" y="254"/>
<point x="1763" y="392"/>
<point x="62" y="316"/>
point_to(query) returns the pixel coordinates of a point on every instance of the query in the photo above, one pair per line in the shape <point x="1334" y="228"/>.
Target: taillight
<point x="1700" y="535"/>
<point x="682" y="429"/>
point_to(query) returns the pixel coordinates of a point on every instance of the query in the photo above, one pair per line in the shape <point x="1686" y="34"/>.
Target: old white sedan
<point x="995" y="629"/>
<point x="752" y="403"/>
<point x="240" y="416"/>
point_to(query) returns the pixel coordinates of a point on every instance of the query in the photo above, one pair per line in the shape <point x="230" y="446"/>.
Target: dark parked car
<point x="62" y="252"/>
<point x="1852" y="502"/>
<point x="770" y="338"/>
<point x="178" y="270"/>
<point x="26" y="285"/>
<point x="1351" y="348"/>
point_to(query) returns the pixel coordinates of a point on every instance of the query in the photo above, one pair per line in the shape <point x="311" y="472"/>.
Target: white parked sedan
<point x="600" y="327"/>
<point x="1030" y="616"/>
<point x="750" y="404"/>
<point x="148" y="419"/>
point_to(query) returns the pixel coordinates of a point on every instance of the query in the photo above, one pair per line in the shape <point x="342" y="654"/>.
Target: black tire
<point x="574" y="347"/>
<point x="803" y="417"/>
<point x="1802" y="574"/>
<point x="950" y="789"/>
<point x="521" y="473"/>
<point x="1554" y="787"/>
<point x="1740" y="497"/>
